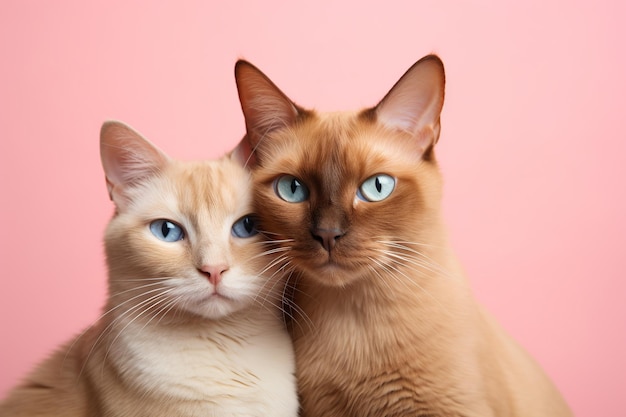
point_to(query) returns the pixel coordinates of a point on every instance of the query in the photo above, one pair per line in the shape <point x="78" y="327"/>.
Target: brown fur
<point x="385" y="323"/>
<point x="173" y="340"/>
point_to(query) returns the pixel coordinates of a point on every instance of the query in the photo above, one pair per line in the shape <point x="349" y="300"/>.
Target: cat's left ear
<point x="414" y="103"/>
<point x="265" y="109"/>
<point x="127" y="159"/>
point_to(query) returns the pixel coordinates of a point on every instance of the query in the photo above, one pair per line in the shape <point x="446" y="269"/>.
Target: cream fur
<point x="172" y="343"/>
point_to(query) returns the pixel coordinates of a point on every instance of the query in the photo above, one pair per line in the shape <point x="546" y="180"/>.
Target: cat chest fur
<point x="385" y="370"/>
<point x="209" y="370"/>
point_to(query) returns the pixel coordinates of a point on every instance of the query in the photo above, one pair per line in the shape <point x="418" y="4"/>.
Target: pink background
<point x="532" y="147"/>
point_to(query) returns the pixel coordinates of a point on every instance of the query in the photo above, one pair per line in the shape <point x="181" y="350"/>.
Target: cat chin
<point x="334" y="275"/>
<point x="215" y="306"/>
<point x="330" y="271"/>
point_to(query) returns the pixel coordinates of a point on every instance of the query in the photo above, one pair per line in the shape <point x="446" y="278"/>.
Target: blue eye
<point x="166" y="230"/>
<point x="290" y="189"/>
<point x="245" y="227"/>
<point x="376" y="188"/>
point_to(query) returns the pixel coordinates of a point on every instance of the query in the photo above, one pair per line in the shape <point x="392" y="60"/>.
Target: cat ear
<point x="414" y="103"/>
<point x="127" y="159"/>
<point x="265" y="109"/>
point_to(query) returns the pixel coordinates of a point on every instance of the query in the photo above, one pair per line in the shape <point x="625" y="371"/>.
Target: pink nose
<point x="214" y="272"/>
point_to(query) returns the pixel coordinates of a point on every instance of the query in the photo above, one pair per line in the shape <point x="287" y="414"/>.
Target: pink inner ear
<point x="243" y="154"/>
<point x="269" y="111"/>
<point x="414" y="103"/>
<point x="127" y="158"/>
<point x="264" y="106"/>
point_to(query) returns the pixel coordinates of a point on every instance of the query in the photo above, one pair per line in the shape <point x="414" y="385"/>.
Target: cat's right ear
<point x="414" y="103"/>
<point x="127" y="159"/>
<point x="265" y="109"/>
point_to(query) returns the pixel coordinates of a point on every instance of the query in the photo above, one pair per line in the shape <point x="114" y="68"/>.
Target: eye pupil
<point x="379" y="186"/>
<point x="248" y="224"/>
<point x="294" y="185"/>
<point x="166" y="228"/>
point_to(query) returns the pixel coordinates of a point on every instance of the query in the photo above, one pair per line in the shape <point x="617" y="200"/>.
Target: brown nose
<point x="327" y="237"/>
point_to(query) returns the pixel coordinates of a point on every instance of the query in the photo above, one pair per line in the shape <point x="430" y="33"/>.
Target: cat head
<point x="183" y="240"/>
<point x="349" y="194"/>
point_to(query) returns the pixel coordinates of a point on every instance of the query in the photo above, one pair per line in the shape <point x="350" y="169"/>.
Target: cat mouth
<point x="214" y="296"/>
<point x="326" y="264"/>
<point x="331" y="273"/>
<point x="217" y="295"/>
<point x="214" y="305"/>
<point x="325" y="260"/>
<point x="332" y="268"/>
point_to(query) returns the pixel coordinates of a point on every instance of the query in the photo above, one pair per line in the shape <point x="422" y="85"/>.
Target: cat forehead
<point x="339" y="139"/>
<point x="196" y="187"/>
<point x="219" y="182"/>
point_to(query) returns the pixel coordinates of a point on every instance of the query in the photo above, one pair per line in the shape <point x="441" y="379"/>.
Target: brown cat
<point x="191" y="328"/>
<point x="387" y="323"/>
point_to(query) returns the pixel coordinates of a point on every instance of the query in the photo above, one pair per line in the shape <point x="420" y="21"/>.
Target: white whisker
<point x="393" y="269"/>
<point x="114" y="321"/>
<point x="107" y="313"/>
<point x="430" y="262"/>
<point x="152" y="302"/>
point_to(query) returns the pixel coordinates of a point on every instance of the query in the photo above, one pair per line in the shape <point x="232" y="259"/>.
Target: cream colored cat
<point x="191" y="328"/>
<point x="386" y="324"/>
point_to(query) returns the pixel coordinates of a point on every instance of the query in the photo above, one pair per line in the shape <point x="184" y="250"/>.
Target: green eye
<point x="290" y="189"/>
<point x="376" y="188"/>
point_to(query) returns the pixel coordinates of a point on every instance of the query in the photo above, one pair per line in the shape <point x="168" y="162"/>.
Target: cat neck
<point x="188" y="361"/>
